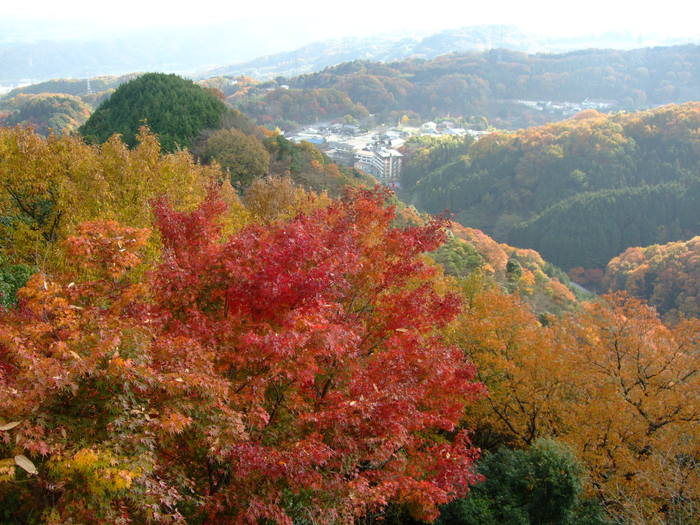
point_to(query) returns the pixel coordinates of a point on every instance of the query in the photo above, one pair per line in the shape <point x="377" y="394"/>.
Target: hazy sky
<point x="314" y="19"/>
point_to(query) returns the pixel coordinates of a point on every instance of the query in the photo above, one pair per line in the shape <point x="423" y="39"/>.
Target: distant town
<point x="567" y="109"/>
<point x="374" y="151"/>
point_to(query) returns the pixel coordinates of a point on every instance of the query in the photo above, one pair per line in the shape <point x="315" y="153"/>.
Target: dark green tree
<point x="12" y="278"/>
<point x="538" y="486"/>
<point x="174" y="108"/>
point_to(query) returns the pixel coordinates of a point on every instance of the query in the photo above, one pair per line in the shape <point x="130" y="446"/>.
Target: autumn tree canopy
<point x="49" y="186"/>
<point x="611" y="380"/>
<point x="243" y="157"/>
<point x="172" y="352"/>
<point x="665" y="275"/>
<point x="292" y="372"/>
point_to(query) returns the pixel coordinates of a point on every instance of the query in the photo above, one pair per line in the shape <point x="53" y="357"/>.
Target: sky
<point x="303" y="21"/>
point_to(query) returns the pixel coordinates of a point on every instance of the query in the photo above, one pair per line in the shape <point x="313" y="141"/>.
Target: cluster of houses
<point x="567" y="109"/>
<point x="375" y="152"/>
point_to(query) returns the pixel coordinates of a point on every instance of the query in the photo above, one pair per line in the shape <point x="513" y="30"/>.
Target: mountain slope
<point x="666" y="275"/>
<point x="578" y="191"/>
<point x="511" y="89"/>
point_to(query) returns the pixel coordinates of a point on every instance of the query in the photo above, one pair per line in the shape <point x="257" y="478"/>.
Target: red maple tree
<point x="295" y="370"/>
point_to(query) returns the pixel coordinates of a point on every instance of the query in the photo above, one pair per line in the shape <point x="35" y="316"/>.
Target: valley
<point x="448" y="276"/>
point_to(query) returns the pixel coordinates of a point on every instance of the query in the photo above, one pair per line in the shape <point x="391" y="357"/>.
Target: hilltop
<point x="510" y="89"/>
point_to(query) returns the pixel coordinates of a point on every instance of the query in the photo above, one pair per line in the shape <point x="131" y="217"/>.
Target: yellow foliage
<point x="237" y="216"/>
<point x="49" y="186"/>
<point x="611" y="380"/>
<point x="508" y="345"/>
<point x="84" y="460"/>
<point x="526" y="284"/>
<point x="100" y="471"/>
<point x="278" y="198"/>
<point x="7" y="469"/>
<point x="174" y="422"/>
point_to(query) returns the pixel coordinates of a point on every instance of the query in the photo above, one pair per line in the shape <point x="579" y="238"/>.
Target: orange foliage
<point x="611" y="380"/>
<point x="668" y="276"/>
<point x="634" y="410"/>
<point x="532" y="281"/>
<point x="493" y="252"/>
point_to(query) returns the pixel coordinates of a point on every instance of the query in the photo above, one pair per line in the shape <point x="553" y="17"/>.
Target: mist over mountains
<point x="320" y="55"/>
<point x="36" y="52"/>
<point x="27" y="57"/>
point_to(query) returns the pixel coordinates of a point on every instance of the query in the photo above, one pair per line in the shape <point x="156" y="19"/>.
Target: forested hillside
<point x="73" y="86"/>
<point x="578" y="191"/>
<point x="542" y="286"/>
<point x="174" y="108"/>
<point x="490" y="84"/>
<point x="185" y="353"/>
<point x="666" y="275"/>
<point x="58" y="105"/>
<point x="205" y="322"/>
<point x="301" y="105"/>
<point x="45" y="111"/>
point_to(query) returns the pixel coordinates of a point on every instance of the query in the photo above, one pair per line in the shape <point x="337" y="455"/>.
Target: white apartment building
<point x="380" y="161"/>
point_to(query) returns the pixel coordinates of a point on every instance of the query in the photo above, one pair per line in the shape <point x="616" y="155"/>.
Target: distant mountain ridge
<point x="189" y="50"/>
<point x="319" y="55"/>
<point x="169" y="49"/>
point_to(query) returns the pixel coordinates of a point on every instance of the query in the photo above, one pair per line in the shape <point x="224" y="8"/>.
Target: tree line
<point x="485" y="83"/>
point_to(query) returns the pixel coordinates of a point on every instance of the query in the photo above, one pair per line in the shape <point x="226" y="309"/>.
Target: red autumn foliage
<point x="290" y="371"/>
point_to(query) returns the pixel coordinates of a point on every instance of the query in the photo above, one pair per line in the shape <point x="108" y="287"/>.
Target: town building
<point x="381" y="161"/>
<point x="340" y="152"/>
<point x="364" y="160"/>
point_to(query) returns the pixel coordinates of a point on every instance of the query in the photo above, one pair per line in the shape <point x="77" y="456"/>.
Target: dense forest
<point x="247" y="378"/>
<point x="212" y="324"/>
<point x="175" y="108"/>
<point x="46" y="111"/>
<point x="489" y="84"/>
<point x="667" y="276"/>
<point x="302" y="105"/>
<point x="578" y="191"/>
<point x="542" y="286"/>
